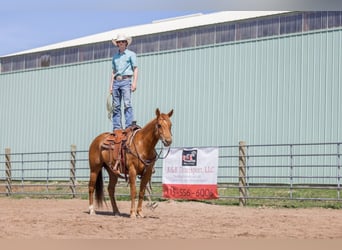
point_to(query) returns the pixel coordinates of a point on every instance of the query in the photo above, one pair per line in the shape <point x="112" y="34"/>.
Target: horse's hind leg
<point x="113" y="179"/>
<point x="91" y="187"/>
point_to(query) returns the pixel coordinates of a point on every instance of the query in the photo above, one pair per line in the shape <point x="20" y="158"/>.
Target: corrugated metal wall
<point x="279" y="90"/>
<point x="275" y="90"/>
<point x="50" y="109"/>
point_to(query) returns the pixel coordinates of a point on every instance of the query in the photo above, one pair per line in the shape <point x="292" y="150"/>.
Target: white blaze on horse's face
<point x="164" y="128"/>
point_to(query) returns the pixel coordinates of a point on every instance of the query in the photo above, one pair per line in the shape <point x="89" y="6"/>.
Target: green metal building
<point x="259" y="77"/>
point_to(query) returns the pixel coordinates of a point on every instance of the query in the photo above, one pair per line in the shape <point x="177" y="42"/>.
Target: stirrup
<point x="115" y="169"/>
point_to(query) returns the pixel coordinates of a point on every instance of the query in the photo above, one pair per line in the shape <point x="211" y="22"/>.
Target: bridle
<point x="148" y="162"/>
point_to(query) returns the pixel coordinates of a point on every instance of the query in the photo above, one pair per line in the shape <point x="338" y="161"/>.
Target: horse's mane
<point x="150" y="123"/>
<point x="155" y="119"/>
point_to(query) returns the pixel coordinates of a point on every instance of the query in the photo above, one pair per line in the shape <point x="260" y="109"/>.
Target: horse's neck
<point x="148" y="136"/>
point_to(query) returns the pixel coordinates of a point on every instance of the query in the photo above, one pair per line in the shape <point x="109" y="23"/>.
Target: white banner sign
<point x="190" y="173"/>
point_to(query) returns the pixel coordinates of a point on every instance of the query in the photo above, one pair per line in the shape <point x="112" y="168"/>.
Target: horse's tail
<point x="99" y="195"/>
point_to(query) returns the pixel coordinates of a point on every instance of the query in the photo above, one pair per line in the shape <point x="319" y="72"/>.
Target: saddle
<point x="115" y="143"/>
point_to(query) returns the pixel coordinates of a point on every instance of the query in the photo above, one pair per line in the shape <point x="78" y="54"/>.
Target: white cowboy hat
<point x="122" y="37"/>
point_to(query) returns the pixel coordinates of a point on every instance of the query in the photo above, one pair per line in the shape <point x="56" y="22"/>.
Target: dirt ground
<point x="69" y="219"/>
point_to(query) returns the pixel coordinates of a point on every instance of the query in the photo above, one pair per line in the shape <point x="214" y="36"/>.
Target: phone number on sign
<point x="190" y="193"/>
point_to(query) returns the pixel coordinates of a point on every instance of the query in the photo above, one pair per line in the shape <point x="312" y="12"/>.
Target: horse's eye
<point x="159" y="126"/>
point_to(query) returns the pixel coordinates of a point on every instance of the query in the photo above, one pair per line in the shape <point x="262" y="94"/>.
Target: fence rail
<point x="265" y="172"/>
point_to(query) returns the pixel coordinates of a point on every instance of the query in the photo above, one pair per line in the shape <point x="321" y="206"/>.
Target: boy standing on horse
<point x="123" y="81"/>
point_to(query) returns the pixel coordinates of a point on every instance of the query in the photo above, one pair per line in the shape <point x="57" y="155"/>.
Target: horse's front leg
<point x="144" y="181"/>
<point x="132" y="177"/>
<point x="140" y="201"/>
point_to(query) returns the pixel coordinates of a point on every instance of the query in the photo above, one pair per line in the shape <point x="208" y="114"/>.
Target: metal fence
<point x="245" y="172"/>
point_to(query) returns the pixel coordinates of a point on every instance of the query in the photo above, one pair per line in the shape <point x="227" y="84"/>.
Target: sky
<point x="28" y="24"/>
<point x="35" y="23"/>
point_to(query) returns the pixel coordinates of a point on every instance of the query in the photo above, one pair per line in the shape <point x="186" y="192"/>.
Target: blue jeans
<point x="122" y="92"/>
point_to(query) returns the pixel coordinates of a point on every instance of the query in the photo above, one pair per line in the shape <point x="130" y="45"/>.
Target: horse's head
<point x="163" y="127"/>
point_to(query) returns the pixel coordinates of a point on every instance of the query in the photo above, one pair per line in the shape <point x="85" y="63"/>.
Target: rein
<point x="167" y="153"/>
<point x="147" y="162"/>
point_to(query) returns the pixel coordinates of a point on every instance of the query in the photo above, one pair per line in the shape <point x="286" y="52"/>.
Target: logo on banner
<point x="191" y="173"/>
<point x="189" y="157"/>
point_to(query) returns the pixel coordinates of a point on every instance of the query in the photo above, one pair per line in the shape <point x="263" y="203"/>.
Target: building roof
<point x="157" y="26"/>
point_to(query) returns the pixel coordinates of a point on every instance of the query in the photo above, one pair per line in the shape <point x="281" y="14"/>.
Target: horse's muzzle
<point x="167" y="142"/>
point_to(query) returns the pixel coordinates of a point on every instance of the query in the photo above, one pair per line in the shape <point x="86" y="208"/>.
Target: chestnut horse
<point x="140" y="156"/>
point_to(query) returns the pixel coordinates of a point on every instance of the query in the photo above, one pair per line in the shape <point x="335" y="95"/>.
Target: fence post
<point x="8" y="172"/>
<point x="242" y="174"/>
<point x="338" y="172"/>
<point x="291" y="170"/>
<point x="72" y="170"/>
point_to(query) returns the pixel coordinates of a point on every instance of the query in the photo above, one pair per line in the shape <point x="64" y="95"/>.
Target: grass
<point x="258" y="196"/>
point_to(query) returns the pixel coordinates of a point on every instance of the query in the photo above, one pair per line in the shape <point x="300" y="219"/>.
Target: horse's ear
<point x="170" y="113"/>
<point x="157" y="112"/>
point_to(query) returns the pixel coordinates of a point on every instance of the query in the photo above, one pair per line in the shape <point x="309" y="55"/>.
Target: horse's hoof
<point x="140" y="215"/>
<point x="91" y="210"/>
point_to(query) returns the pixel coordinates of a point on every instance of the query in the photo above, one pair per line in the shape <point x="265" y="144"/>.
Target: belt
<point x="120" y="77"/>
